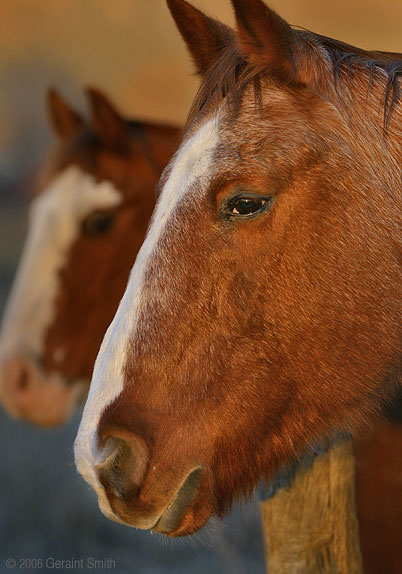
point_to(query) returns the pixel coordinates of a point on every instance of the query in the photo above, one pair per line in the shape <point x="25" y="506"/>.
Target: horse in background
<point x="86" y="224"/>
<point x="262" y="314"/>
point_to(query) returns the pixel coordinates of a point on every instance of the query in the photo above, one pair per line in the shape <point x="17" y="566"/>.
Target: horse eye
<point x="246" y="205"/>
<point x="97" y="223"/>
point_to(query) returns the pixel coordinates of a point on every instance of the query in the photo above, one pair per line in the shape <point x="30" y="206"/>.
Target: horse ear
<point x="266" y="39"/>
<point x="106" y="121"/>
<point x="204" y="36"/>
<point x="65" y="121"/>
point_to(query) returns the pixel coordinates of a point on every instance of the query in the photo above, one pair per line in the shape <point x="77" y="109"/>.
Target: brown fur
<point x="273" y="333"/>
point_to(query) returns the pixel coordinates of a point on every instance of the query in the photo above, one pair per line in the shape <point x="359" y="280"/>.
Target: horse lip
<point x="172" y="516"/>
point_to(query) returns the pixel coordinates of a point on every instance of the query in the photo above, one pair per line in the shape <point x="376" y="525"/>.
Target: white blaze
<point x="191" y="165"/>
<point x="54" y="224"/>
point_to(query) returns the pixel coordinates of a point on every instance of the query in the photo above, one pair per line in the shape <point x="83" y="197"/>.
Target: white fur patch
<point x="191" y="165"/>
<point x="54" y="224"/>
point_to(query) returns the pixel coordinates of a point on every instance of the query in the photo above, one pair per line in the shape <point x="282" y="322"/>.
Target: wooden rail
<point x="312" y="527"/>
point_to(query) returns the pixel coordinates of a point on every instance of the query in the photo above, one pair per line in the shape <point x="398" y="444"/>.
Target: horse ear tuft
<point x="205" y="37"/>
<point x="265" y="38"/>
<point x="106" y="121"/>
<point x="65" y="121"/>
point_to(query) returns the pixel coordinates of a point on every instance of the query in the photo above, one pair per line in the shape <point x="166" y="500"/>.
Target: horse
<point x="262" y="314"/>
<point x="95" y="198"/>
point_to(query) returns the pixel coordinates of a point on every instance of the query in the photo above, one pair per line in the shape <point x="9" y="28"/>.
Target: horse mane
<point x="232" y="74"/>
<point x="346" y="57"/>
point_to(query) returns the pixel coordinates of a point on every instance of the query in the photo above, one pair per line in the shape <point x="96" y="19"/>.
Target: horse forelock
<point x="323" y="64"/>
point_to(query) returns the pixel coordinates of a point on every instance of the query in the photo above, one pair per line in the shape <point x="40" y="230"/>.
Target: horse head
<point x="86" y="224"/>
<point x="262" y="314"/>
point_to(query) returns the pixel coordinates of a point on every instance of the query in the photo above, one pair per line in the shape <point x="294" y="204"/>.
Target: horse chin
<point x="186" y="514"/>
<point x="190" y="523"/>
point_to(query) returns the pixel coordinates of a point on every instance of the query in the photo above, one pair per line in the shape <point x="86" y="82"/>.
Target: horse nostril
<point x="122" y="464"/>
<point x="18" y="377"/>
<point x="18" y="383"/>
<point x="22" y="380"/>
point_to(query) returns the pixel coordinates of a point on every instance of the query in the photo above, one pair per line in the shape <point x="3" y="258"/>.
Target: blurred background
<point x="131" y="50"/>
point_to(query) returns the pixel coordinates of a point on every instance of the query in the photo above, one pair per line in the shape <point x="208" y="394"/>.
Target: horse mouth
<point x="178" y="518"/>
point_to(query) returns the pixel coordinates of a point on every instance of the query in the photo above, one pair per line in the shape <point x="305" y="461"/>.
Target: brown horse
<point x="263" y="311"/>
<point x="96" y="197"/>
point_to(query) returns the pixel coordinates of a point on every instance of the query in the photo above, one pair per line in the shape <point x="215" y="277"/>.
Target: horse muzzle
<point x="29" y="394"/>
<point x="140" y="494"/>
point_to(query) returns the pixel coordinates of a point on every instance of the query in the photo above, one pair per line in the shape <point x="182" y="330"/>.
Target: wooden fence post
<point x="312" y="527"/>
